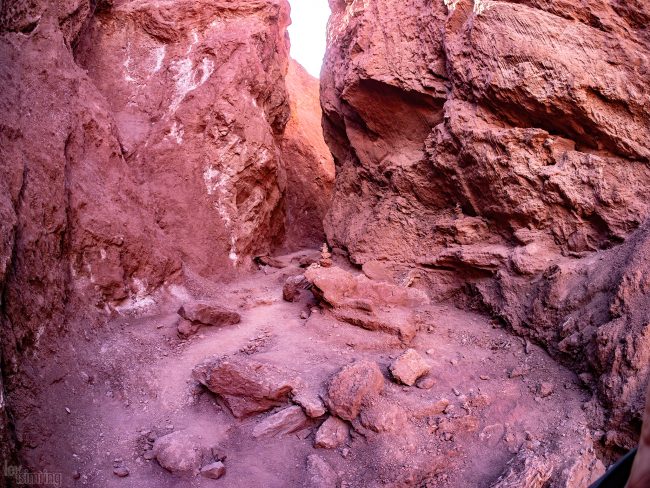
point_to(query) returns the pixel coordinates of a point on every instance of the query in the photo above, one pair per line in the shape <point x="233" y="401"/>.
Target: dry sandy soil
<point x="138" y="386"/>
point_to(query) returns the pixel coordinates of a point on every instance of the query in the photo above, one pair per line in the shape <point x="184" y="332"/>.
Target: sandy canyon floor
<point x="488" y="397"/>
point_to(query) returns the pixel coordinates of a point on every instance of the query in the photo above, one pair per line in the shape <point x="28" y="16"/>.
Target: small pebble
<point x="214" y="471"/>
<point x="518" y="372"/>
<point x="546" y="388"/>
<point x="122" y="472"/>
<point x="426" y="383"/>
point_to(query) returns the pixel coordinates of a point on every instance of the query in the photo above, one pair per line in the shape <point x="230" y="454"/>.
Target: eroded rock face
<point x="198" y="93"/>
<point x="136" y="138"/>
<point x="593" y="313"/>
<point x="502" y="148"/>
<point x="73" y="220"/>
<point x="537" y="465"/>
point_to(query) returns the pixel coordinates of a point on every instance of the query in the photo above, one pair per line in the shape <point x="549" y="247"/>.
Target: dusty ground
<point x="137" y="384"/>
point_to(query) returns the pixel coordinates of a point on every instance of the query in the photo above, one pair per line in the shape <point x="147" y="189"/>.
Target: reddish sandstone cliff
<point x="139" y="141"/>
<point x="197" y="91"/>
<point x="497" y="153"/>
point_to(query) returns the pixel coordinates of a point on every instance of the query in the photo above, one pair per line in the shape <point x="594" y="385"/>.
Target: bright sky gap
<point x="308" y="33"/>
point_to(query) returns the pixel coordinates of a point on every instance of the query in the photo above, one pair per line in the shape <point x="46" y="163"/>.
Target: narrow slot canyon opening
<point x="307" y="159"/>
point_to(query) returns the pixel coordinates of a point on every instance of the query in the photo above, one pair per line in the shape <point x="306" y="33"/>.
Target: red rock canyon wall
<point x="139" y="141"/>
<point x="497" y="154"/>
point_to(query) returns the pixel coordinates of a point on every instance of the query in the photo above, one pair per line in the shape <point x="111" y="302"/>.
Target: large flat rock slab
<point x="247" y="386"/>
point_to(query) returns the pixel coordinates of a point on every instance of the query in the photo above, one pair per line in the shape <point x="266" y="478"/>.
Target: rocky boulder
<point x="208" y="314"/>
<point x="332" y="433"/>
<point x="179" y="453"/>
<point x="283" y="422"/>
<point x="294" y="287"/>
<point x="372" y="305"/>
<point x="409" y="367"/>
<point x="214" y="470"/>
<point x="310" y="401"/>
<point x="340" y="288"/>
<point x="194" y="315"/>
<point x="247" y="386"/>
<point x="353" y="387"/>
<point x="383" y="416"/>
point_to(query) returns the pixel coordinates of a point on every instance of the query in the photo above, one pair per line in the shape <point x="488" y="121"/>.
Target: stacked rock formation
<point x="325" y="257"/>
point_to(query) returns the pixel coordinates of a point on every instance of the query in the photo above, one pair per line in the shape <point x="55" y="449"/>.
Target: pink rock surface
<point x="137" y="138"/>
<point x="498" y="152"/>
<point x="354" y="386"/>
<point x="199" y="107"/>
<point x="332" y="433"/>
<point x="246" y="385"/>
<point x="408" y="367"/>
<point x="494" y="154"/>
<point x="369" y="304"/>
<point x="208" y="314"/>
